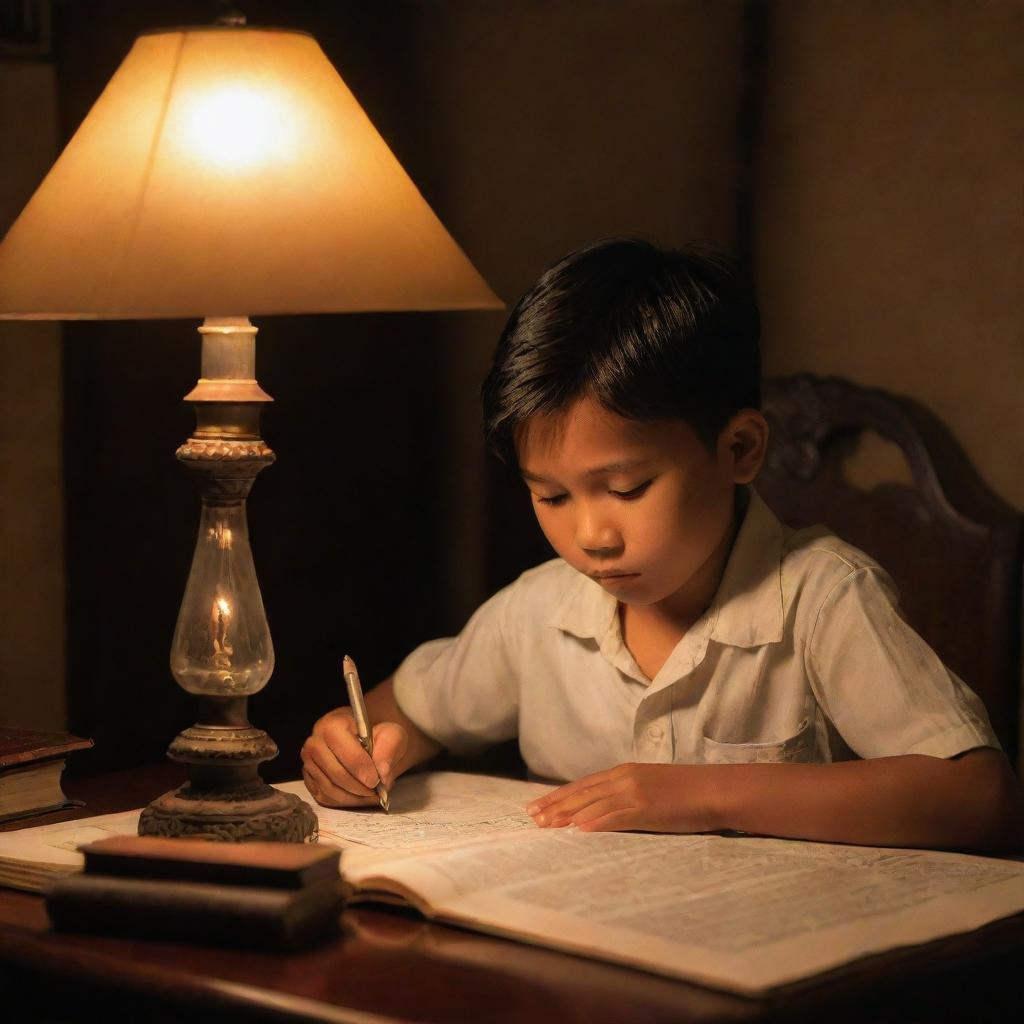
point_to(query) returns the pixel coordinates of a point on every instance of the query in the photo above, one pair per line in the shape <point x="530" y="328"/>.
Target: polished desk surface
<point x="389" y="964"/>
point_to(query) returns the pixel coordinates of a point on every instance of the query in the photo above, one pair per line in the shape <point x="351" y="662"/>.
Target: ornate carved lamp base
<point x="257" y="813"/>
<point x="225" y="799"/>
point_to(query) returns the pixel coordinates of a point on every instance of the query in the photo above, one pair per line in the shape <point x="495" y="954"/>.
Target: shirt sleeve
<point x="463" y="691"/>
<point x="882" y="686"/>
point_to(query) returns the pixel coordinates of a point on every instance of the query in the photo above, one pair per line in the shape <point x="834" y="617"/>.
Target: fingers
<point x="570" y="789"/>
<point x="612" y="821"/>
<point x="341" y="772"/>
<point x="573" y="809"/>
<point x="337" y="785"/>
<point x="341" y="737"/>
<point x="648" y="797"/>
<point x="390" y="742"/>
<point x="592" y="811"/>
<point x="563" y="806"/>
<point x="597" y="809"/>
<point x="324" y="792"/>
<point x="334" y="749"/>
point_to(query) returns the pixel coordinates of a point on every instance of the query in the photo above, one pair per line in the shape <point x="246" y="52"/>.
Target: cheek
<point x="676" y="529"/>
<point x="560" y="531"/>
<point x="556" y="528"/>
<point x="657" y="525"/>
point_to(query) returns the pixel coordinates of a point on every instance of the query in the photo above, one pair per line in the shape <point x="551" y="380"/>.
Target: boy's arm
<point x="381" y="706"/>
<point x="970" y="802"/>
<point x="337" y="770"/>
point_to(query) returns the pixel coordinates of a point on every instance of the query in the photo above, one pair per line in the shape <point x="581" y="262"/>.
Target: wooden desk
<point x="391" y="965"/>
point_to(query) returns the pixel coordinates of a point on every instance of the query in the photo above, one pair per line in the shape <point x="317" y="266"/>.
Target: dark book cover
<point x="268" y="865"/>
<point x="25" y="746"/>
<point x="31" y="764"/>
<point x="202" y="912"/>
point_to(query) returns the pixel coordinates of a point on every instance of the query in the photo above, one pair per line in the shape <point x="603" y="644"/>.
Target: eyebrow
<point x="606" y="470"/>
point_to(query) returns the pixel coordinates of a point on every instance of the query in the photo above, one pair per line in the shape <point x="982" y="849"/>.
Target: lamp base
<point x="255" y="813"/>
<point x="224" y="798"/>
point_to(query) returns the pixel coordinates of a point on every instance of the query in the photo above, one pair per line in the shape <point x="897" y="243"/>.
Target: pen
<point x="355" y="699"/>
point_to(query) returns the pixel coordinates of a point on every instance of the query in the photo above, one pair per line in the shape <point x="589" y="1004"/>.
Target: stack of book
<point x="265" y="895"/>
<point x="31" y="764"/>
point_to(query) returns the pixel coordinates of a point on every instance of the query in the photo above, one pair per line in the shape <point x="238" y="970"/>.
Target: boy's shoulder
<point x="536" y="594"/>
<point x="778" y="579"/>
<point x="814" y="561"/>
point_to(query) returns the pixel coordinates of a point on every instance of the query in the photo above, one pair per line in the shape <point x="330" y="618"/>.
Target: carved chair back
<point x="952" y="546"/>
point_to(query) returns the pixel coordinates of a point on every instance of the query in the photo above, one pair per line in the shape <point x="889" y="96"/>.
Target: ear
<point x="742" y="445"/>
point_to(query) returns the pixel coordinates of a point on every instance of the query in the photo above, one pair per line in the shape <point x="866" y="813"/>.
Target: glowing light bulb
<point x="239" y="127"/>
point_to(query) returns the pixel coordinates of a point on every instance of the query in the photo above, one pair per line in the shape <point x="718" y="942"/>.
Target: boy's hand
<point x="337" y="770"/>
<point x="645" y="797"/>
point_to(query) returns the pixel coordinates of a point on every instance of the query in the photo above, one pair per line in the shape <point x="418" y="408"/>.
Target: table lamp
<point x="227" y="171"/>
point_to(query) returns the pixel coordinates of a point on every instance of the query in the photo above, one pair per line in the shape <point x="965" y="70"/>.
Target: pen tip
<point x="347" y="664"/>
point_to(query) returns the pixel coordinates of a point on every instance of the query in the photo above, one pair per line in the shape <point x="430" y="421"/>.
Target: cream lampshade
<point x="227" y="171"/>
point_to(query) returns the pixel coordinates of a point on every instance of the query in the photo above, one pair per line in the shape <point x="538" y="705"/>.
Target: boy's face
<point x="643" y="508"/>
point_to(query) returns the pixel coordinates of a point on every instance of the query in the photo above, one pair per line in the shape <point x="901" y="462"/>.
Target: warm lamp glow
<point x="229" y="170"/>
<point x="238" y="128"/>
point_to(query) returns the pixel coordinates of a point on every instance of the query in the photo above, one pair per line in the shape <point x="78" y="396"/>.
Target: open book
<point x="737" y="912"/>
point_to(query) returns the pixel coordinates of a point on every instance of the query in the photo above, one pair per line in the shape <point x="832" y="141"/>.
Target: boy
<point x="687" y="663"/>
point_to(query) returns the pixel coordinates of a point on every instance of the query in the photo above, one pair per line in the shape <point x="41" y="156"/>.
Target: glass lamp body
<point x="222" y="645"/>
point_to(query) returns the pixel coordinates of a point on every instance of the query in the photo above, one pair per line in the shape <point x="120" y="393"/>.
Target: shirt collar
<point x="749" y="598"/>
<point x="747" y="609"/>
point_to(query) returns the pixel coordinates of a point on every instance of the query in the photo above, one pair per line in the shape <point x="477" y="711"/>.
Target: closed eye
<point x="556" y="500"/>
<point x="634" y="492"/>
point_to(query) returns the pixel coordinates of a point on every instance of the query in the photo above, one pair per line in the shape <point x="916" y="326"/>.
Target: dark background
<point x="862" y="157"/>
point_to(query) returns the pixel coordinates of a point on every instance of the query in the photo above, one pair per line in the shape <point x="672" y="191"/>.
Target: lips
<point x="612" y="575"/>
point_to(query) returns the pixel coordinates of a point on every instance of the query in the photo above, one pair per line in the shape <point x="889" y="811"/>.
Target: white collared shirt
<point x="802" y="656"/>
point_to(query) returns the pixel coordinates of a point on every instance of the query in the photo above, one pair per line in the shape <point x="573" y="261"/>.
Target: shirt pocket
<point x="800" y="748"/>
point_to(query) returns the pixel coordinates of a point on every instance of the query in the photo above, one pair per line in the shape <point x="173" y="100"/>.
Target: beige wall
<point x="890" y="222"/>
<point x="564" y="122"/>
<point x="31" y="519"/>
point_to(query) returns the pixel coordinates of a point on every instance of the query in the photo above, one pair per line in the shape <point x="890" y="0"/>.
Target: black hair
<point x="648" y="333"/>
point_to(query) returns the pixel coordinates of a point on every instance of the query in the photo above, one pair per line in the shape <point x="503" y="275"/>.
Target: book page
<point x="29" y="855"/>
<point x="743" y="913"/>
<point x="57" y="844"/>
<point x="430" y="809"/>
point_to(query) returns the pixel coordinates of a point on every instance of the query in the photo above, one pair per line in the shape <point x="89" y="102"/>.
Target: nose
<point x="596" y="536"/>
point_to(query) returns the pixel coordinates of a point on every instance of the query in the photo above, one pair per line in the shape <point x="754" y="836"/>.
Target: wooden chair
<point x="952" y="546"/>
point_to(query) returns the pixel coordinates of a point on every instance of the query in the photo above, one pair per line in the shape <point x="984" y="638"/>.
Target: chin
<point x="648" y="592"/>
<point x="632" y="591"/>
